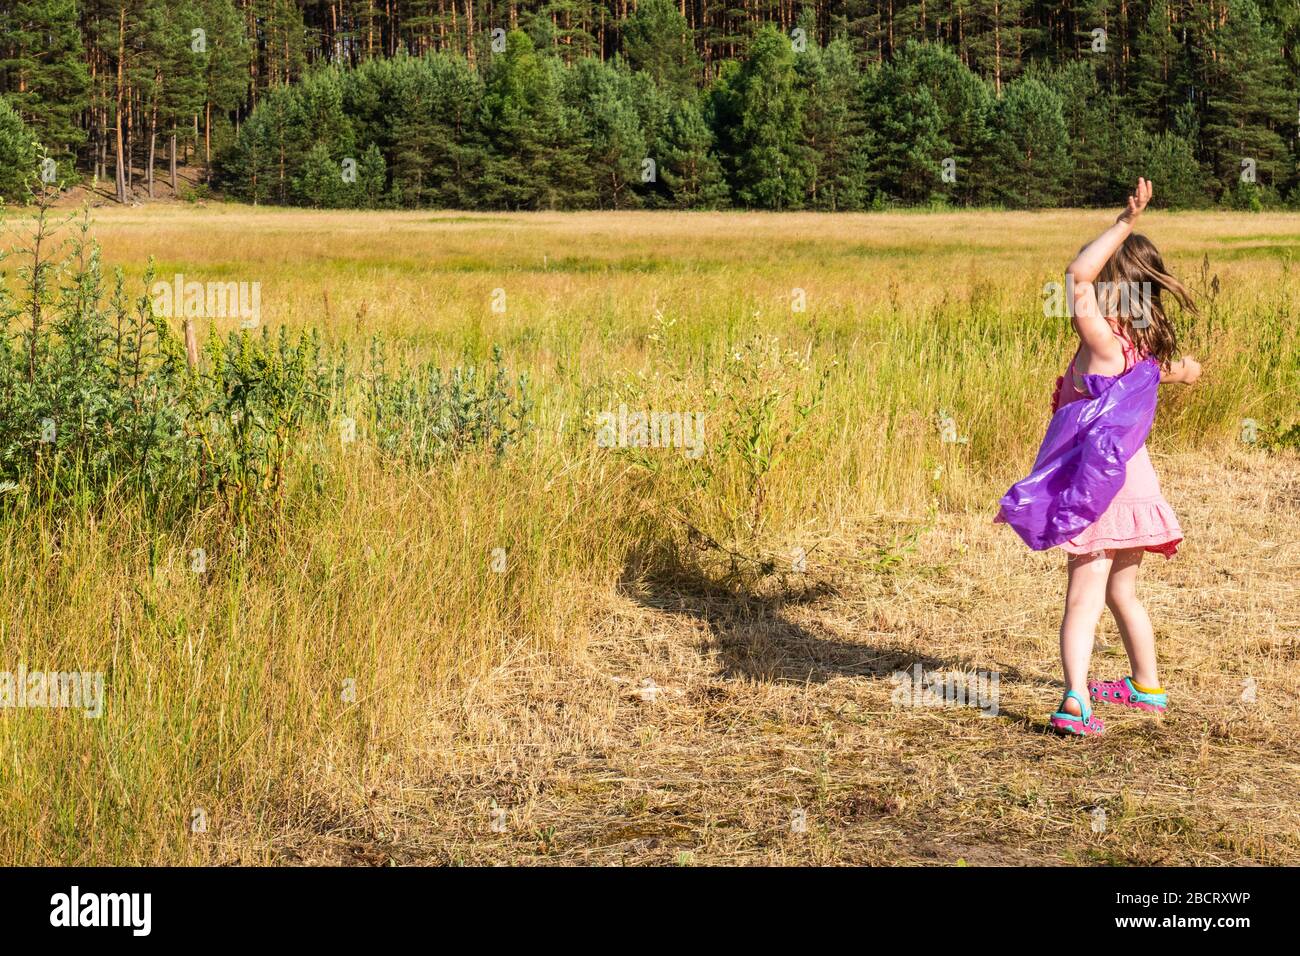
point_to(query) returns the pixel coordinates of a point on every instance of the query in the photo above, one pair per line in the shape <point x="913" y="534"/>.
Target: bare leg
<point x="1134" y="623"/>
<point x="1085" y="598"/>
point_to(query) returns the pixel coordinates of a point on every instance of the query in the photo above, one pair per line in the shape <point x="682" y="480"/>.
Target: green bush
<point x="97" y="396"/>
<point x="419" y="412"/>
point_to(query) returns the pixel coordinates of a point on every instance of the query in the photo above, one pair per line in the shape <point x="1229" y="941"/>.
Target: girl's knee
<point x="1084" y="602"/>
<point x="1122" y="599"/>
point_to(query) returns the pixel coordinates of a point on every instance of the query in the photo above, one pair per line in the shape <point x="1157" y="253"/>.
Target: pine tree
<point x="1031" y="159"/>
<point x="260" y="164"/>
<point x="1098" y="129"/>
<point x="571" y="37"/>
<point x="601" y="99"/>
<point x="459" y="148"/>
<point x="928" y="132"/>
<point x="183" y="81"/>
<point x="653" y="104"/>
<point x="688" y="169"/>
<point x="18" y="156"/>
<point x="1249" y="101"/>
<point x="1168" y="160"/>
<point x="1158" y="77"/>
<point x="994" y="39"/>
<point x="225" y="66"/>
<point x="372" y="178"/>
<point x="533" y="161"/>
<point x="905" y="141"/>
<point x="319" y="181"/>
<point x="757" y="110"/>
<point x="658" y="41"/>
<point x="43" y="70"/>
<point x="832" y="126"/>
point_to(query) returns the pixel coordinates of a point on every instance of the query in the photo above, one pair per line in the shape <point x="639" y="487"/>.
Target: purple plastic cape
<point x="1083" y="459"/>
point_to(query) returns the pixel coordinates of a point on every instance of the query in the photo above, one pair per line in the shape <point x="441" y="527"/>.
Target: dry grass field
<point x="682" y="661"/>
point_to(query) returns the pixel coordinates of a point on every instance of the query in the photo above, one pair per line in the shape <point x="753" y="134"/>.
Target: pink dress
<point x="1139" y="516"/>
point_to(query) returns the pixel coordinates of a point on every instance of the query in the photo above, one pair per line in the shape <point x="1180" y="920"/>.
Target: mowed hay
<point x="505" y="716"/>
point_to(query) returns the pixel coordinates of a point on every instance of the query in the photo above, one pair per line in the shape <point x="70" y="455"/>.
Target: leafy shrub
<point x="199" y="192"/>
<point x="1277" y="436"/>
<point x="421" y="413"/>
<point x="97" y="395"/>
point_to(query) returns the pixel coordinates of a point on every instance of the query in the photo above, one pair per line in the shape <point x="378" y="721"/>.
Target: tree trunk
<point x="173" y="161"/>
<point x="997" y="49"/>
<point x="94" y="119"/>
<point x="132" y="124"/>
<point x="469" y="32"/>
<point x="121" y="60"/>
<point x="207" y="142"/>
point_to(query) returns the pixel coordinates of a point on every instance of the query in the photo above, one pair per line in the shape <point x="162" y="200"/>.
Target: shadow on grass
<point x="755" y="638"/>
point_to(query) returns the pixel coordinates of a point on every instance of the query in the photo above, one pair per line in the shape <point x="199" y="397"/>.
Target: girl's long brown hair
<point x="1129" y="289"/>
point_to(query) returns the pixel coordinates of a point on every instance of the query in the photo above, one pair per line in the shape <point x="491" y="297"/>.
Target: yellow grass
<point x="230" y="692"/>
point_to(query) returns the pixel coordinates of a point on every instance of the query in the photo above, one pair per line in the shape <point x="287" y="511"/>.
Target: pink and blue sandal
<point x="1124" y="693"/>
<point x="1064" y="722"/>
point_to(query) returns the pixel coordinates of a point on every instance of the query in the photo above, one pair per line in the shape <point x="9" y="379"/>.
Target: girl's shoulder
<point x="1133" y="353"/>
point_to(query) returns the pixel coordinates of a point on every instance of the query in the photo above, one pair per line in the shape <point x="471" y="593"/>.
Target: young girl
<point x="1093" y="491"/>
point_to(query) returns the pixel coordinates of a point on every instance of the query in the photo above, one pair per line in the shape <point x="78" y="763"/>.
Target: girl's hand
<point x="1185" y="371"/>
<point x="1137" y="202"/>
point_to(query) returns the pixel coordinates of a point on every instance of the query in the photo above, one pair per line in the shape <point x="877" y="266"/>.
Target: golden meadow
<point x="300" y="676"/>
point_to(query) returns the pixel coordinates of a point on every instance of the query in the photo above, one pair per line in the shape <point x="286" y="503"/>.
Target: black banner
<point x="620" y="907"/>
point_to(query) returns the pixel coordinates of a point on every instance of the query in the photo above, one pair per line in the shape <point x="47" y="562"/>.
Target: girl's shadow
<point x="755" y="639"/>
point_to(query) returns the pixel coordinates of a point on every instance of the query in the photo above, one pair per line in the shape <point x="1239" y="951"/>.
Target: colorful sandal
<point x="1064" y="722"/>
<point x="1126" y="694"/>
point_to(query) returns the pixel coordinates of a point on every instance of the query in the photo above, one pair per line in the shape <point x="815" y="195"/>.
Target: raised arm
<point x="1091" y="325"/>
